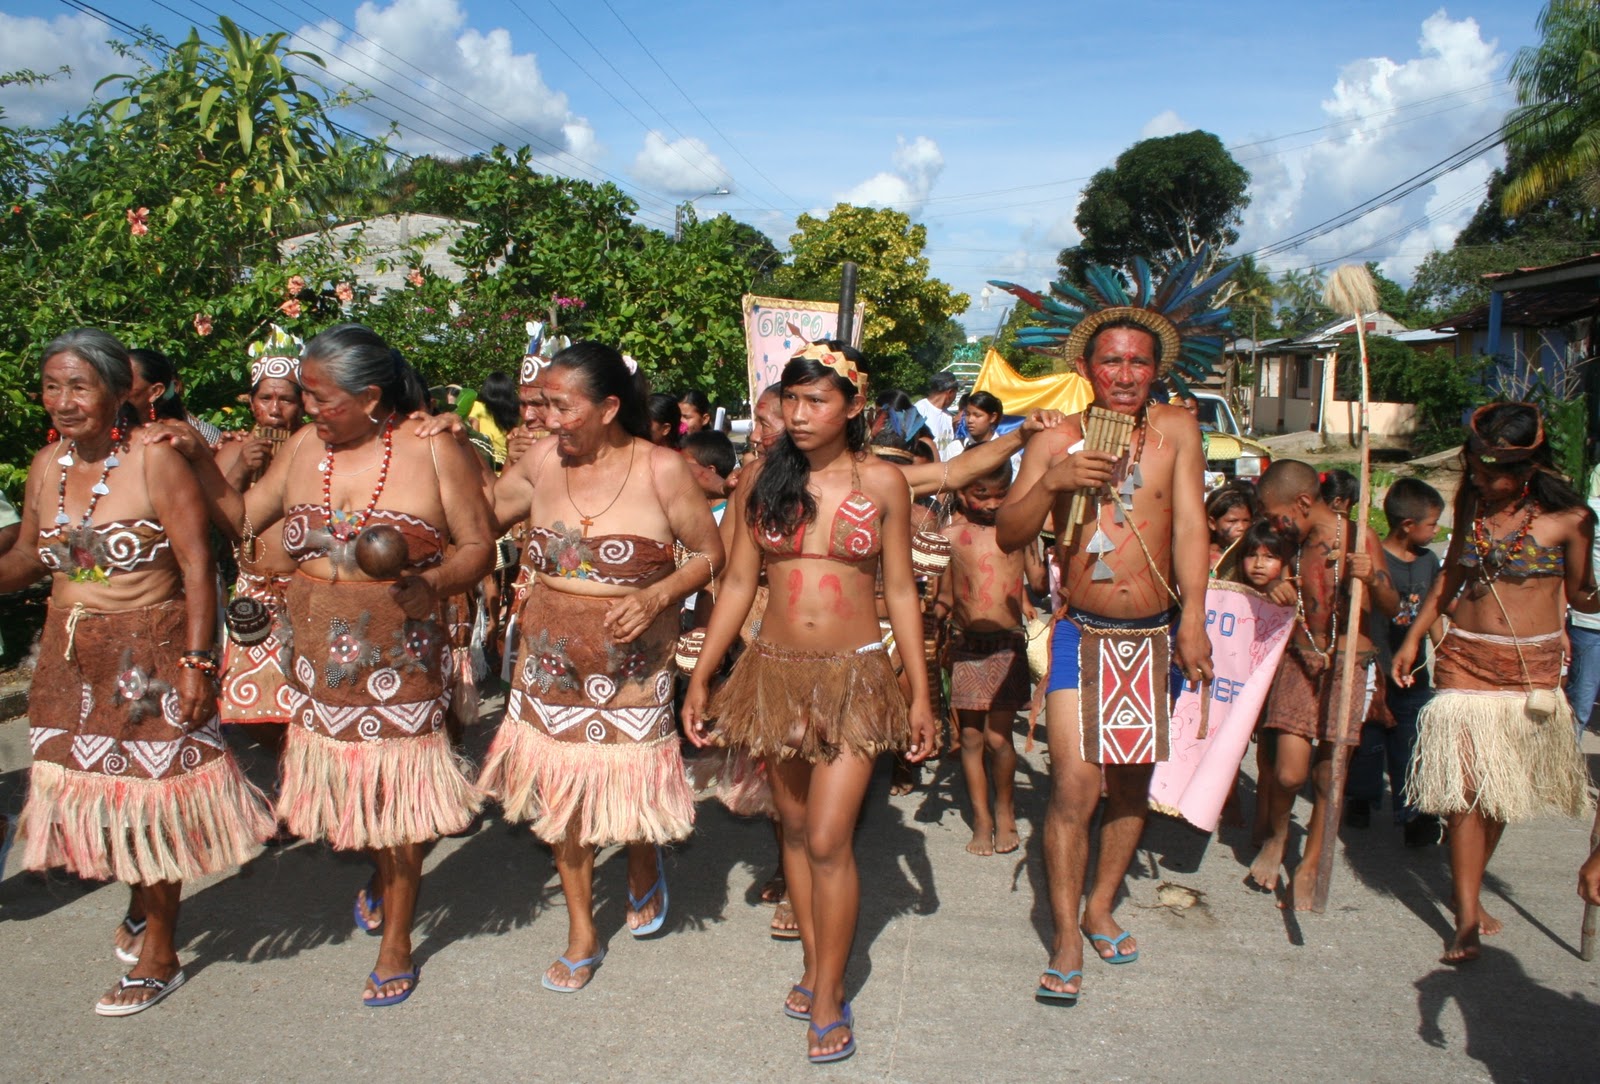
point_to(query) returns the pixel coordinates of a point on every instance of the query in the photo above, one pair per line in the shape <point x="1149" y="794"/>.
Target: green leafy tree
<point x="901" y="298"/>
<point x="1555" y="128"/>
<point x="1163" y="199"/>
<point x="1440" y="385"/>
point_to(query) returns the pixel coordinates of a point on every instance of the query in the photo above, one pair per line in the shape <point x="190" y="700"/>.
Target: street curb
<point x="13" y="702"/>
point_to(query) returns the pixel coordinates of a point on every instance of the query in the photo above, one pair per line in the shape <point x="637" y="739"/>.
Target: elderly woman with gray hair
<point x="130" y="778"/>
<point x="367" y="764"/>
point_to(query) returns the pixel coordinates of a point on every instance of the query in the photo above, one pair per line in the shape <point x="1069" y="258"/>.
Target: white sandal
<point x="162" y="989"/>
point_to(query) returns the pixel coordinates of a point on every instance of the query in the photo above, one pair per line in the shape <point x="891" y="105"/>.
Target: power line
<point x="590" y="75"/>
<point x="698" y="111"/>
<point x="595" y="170"/>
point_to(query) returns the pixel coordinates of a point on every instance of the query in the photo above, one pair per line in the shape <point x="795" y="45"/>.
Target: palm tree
<point x="1555" y="129"/>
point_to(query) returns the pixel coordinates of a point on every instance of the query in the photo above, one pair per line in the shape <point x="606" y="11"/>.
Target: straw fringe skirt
<point x="119" y="790"/>
<point x="1479" y="749"/>
<point x="812" y="704"/>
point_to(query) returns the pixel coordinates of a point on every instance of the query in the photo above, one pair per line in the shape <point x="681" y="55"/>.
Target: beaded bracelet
<point x="204" y="661"/>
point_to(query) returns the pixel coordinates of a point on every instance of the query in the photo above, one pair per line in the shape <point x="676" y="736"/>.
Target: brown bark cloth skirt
<point x="1304" y="704"/>
<point x="368" y="762"/>
<point x="118" y="789"/>
<point x="255" y="677"/>
<point x="589" y="745"/>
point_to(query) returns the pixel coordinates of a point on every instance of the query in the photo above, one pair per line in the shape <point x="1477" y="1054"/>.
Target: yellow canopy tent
<point x="1066" y="392"/>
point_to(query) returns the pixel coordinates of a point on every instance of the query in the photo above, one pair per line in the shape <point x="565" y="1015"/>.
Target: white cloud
<point x="475" y="88"/>
<point x="917" y="166"/>
<point x="1165" y="123"/>
<point x="77" y="41"/>
<point x="1391" y="120"/>
<point x="683" y="167"/>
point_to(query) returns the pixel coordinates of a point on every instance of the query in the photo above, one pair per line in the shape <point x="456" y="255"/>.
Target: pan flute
<point x="1103" y="431"/>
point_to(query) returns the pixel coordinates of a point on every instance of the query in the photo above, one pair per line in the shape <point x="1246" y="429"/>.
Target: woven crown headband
<point x="836" y="360"/>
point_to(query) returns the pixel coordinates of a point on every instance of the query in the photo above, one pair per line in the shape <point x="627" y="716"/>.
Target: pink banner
<point x="770" y="324"/>
<point x="1248" y="635"/>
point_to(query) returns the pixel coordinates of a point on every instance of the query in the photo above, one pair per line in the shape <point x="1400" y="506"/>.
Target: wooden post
<point x="1350" y="284"/>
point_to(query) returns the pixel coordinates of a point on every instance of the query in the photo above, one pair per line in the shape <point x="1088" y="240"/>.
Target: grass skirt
<point x="119" y="790"/>
<point x="812" y="704"/>
<point x="368" y="762"/>
<point x="588" y="746"/>
<point x="1478" y="748"/>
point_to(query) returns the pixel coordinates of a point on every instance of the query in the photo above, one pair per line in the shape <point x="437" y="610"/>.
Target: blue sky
<point x="982" y="121"/>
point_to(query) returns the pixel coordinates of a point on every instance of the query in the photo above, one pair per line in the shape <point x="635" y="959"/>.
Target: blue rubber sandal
<point x="796" y="1014"/>
<point x="373" y="903"/>
<point x="844" y="1051"/>
<point x="655" y="924"/>
<point x="393" y="999"/>
<point x="572" y="966"/>
<point x="1059" y="997"/>
<point x="1116" y="957"/>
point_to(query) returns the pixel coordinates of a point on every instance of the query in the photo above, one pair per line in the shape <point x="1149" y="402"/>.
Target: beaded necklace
<point x="344" y="526"/>
<point x="1493" y="553"/>
<point x="79" y="547"/>
<point x="1333" y="620"/>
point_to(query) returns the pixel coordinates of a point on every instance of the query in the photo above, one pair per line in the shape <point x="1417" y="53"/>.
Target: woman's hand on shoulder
<point x="180" y="435"/>
<point x="424" y="425"/>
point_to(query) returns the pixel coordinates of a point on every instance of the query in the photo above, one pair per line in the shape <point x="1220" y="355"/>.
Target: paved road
<point x="949" y="951"/>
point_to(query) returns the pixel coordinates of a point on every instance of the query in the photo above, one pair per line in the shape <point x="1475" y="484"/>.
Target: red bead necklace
<point x="1493" y="553"/>
<point x="344" y="526"/>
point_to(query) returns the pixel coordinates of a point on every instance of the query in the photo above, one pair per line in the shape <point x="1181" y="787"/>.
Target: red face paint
<point x="797" y="583"/>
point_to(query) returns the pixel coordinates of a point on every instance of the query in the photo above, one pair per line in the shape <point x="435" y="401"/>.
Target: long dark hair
<point x="1517" y="425"/>
<point x="781" y="501"/>
<point x="663" y="410"/>
<point x="498" y="394"/>
<point x="358" y="358"/>
<point x="603" y="373"/>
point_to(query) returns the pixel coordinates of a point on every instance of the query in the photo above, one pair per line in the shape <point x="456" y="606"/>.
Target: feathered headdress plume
<point x="1176" y="313"/>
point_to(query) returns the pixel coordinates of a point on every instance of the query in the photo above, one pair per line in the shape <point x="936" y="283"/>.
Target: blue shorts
<point x="1067" y="638"/>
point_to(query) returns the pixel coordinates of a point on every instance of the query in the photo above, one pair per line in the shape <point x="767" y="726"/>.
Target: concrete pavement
<point x="949" y="951"/>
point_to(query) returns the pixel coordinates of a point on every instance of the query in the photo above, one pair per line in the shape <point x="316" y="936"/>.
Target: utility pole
<point x="677" y="212"/>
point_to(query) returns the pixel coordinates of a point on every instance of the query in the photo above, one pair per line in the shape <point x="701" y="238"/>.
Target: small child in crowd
<point x="1264" y="554"/>
<point x="1340" y="490"/>
<point x="1229" y="510"/>
<point x="983" y="594"/>
<point x="1413" y="508"/>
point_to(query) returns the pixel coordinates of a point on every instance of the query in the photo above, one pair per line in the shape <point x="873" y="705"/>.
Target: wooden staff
<point x="1349" y="290"/>
<point x="1103" y="431"/>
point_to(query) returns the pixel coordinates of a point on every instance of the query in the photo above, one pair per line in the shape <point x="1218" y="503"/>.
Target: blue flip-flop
<point x="1116" y="956"/>
<point x="572" y="966"/>
<point x="655" y="924"/>
<point x="373" y="903"/>
<point x="796" y="1014"/>
<point x="844" y="1051"/>
<point x="1062" y="997"/>
<point x="393" y="999"/>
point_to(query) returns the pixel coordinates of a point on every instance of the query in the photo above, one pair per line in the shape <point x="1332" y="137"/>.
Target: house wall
<point x="1287" y="388"/>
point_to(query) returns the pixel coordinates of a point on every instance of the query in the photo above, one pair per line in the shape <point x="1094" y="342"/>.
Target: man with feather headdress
<point x="1135" y="550"/>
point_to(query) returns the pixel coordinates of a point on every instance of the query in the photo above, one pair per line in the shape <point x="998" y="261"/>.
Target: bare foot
<point x="1302" y="888"/>
<point x="1006" y="839"/>
<point x="1464" y="948"/>
<point x="903" y="777"/>
<point x="982" y="842"/>
<point x="1263" y="875"/>
<point x="775" y="889"/>
<point x="1488" y="925"/>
